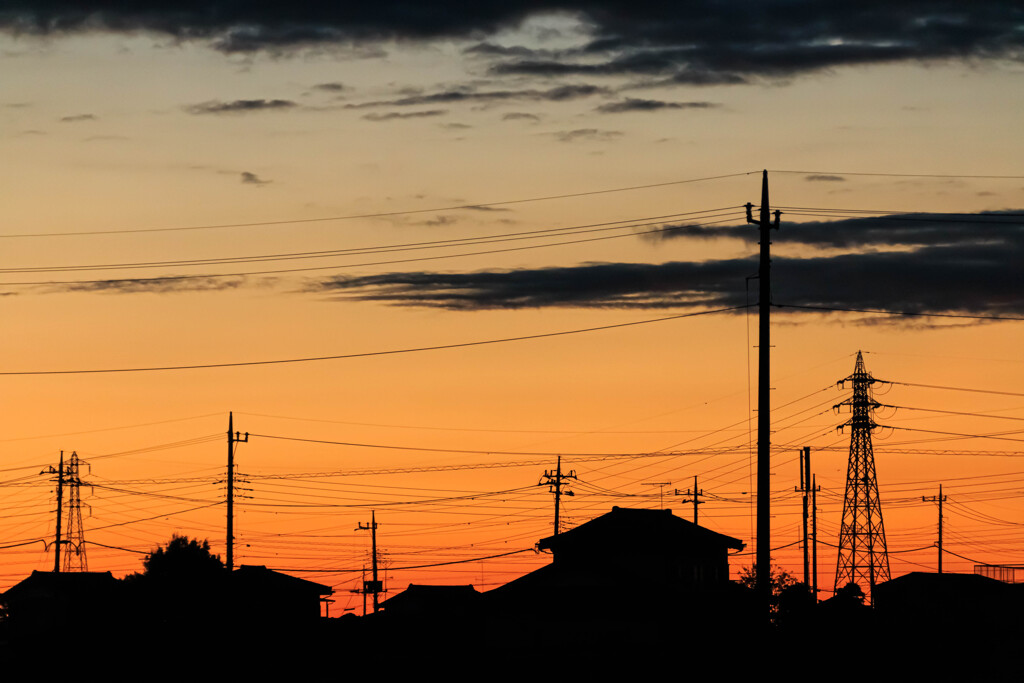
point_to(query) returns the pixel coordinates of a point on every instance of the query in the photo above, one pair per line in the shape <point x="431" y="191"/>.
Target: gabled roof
<point x="258" y="577"/>
<point x="61" y="584"/>
<point x="965" y="587"/>
<point x="436" y="600"/>
<point x="632" y="526"/>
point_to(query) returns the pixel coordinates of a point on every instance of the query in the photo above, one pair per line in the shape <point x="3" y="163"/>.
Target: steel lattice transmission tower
<point x="863" y="558"/>
<point x="74" y="546"/>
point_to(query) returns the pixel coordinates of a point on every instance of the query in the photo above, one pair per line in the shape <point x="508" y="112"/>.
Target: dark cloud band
<point x="962" y="266"/>
<point x="697" y="42"/>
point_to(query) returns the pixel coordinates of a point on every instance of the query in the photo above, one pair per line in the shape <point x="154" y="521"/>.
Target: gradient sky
<point x="243" y="142"/>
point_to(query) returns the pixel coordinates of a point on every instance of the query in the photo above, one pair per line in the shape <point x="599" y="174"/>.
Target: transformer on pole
<point x="863" y="558"/>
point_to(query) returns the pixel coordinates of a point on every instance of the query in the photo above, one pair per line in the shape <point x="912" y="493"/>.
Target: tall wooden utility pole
<point x="695" y="495"/>
<point x="373" y="586"/>
<point x="764" y="548"/>
<point x="938" y="499"/>
<point x="233" y="438"/>
<point x="805" y="488"/>
<point x="814" y="535"/>
<point x="60" y="503"/>
<point x="555" y="481"/>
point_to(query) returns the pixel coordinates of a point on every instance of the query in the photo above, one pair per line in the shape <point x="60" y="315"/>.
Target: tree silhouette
<point x="790" y="597"/>
<point x="181" y="596"/>
<point x="778" y="577"/>
<point x="183" y="559"/>
<point x="182" y="584"/>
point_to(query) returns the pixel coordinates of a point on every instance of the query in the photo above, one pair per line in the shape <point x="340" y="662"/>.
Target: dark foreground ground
<point x="684" y="645"/>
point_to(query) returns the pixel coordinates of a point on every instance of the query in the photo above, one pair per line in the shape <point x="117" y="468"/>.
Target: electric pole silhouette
<point x="694" y="497"/>
<point x="555" y="481"/>
<point x="807" y="487"/>
<point x="59" y="471"/>
<point x="233" y="438"/>
<point x="374" y="587"/>
<point x="73" y="542"/>
<point x="940" y="499"/>
<point x="863" y="558"/>
<point x="763" y="556"/>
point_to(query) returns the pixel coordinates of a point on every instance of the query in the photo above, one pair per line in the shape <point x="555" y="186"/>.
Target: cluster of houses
<point x="630" y="577"/>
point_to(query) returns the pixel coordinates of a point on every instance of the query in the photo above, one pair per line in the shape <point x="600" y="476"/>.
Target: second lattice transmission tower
<point x="863" y="558"/>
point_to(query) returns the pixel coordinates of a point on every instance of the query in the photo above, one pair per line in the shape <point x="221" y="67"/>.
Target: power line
<point x="286" y="271"/>
<point x="149" y="519"/>
<point x="146" y="449"/>
<point x="385" y="214"/>
<point x="956" y="412"/>
<point x="908" y="213"/>
<point x="108" y="429"/>
<point x="976" y="391"/>
<point x="999" y="437"/>
<point x="470" y="429"/>
<point x="421" y="566"/>
<point x="475" y="466"/>
<point x="115" y="547"/>
<point x="367" y="354"/>
<point x="477" y="451"/>
<point x="386" y="248"/>
<point x="906" y="216"/>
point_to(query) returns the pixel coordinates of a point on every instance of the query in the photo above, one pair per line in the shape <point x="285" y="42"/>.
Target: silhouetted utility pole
<point x="806" y="488"/>
<point x="233" y="438"/>
<point x="60" y="502"/>
<point x="363" y="591"/>
<point x="373" y="586"/>
<point x="814" y="534"/>
<point x="862" y="551"/>
<point x="694" y="497"/>
<point x="764" y="548"/>
<point x="938" y="499"/>
<point x="555" y="481"/>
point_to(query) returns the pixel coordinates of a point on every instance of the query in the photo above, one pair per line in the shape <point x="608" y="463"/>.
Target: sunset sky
<point x="201" y="184"/>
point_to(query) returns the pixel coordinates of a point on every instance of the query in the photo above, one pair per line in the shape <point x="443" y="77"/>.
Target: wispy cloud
<point x="330" y="87"/>
<point x="167" y="285"/>
<point x="587" y="134"/>
<point x="253" y="179"/>
<point x="520" y="116"/>
<point x="633" y="104"/>
<point x="77" y="118"/>
<point x="563" y="93"/>
<point x="395" y="115"/>
<point x="239" y="106"/>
